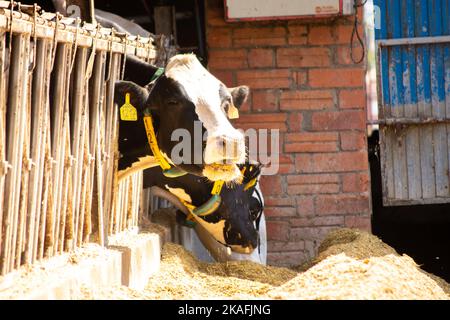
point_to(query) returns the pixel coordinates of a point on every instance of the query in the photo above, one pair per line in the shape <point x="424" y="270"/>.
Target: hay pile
<point x="350" y="265"/>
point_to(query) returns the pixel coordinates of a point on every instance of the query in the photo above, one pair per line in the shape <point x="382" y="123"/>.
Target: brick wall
<point x="303" y="83"/>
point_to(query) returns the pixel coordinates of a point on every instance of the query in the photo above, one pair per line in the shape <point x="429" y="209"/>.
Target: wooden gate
<point x="413" y="41"/>
<point x="58" y="135"/>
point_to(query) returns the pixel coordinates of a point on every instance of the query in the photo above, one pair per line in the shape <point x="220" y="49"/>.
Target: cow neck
<point x="167" y="169"/>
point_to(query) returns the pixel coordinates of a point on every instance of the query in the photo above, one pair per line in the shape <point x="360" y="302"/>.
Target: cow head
<point x="185" y="94"/>
<point x="233" y="223"/>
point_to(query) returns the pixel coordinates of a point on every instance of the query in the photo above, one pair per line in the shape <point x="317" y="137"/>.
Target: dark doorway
<point x="420" y="231"/>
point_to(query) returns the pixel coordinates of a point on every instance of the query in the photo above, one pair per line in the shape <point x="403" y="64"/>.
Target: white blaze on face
<point x="203" y="90"/>
<point x="180" y="193"/>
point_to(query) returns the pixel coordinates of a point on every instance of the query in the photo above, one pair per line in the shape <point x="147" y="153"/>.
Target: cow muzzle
<point x="222" y="154"/>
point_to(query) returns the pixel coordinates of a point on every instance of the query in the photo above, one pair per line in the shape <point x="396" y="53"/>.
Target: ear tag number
<point x="127" y="111"/>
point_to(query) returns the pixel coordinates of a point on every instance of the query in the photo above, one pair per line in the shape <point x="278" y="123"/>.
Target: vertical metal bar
<point x="45" y="165"/>
<point x="3" y="164"/>
<point x="14" y="148"/>
<point x="26" y="161"/>
<point x="111" y="144"/>
<point x="58" y="135"/>
<point x="36" y="146"/>
<point x="96" y="146"/>
<point x="78" y="114"/>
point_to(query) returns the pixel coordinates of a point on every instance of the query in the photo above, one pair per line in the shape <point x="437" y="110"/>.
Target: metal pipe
<point x="411" y="41"/>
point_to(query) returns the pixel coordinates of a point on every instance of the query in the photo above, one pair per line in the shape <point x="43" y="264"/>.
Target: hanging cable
<point x="355" y="31"/>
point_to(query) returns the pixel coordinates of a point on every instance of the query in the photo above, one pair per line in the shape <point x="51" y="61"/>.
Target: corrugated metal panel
<point x="414" y="75"/>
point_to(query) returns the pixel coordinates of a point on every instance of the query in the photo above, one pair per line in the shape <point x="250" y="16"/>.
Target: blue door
<point x="413" y="52"/>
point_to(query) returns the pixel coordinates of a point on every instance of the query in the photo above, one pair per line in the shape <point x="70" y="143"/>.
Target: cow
<point x="234" y="222"/>
<point x="184" y="94"/>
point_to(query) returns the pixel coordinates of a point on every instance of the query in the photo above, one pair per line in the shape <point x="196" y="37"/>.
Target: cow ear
<point x="138" y="94"/>
<point x="239" y="95"/>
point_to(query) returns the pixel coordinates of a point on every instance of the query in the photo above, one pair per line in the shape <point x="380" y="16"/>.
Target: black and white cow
<point x="236" y="220"/>
<point x="184" y="94"/>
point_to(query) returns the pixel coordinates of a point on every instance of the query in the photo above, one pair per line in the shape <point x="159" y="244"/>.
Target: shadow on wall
<point x="420" y="231"/>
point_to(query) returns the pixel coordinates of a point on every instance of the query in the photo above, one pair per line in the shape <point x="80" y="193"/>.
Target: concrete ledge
<point x="140" y="255"/>
<point x="130" y="259"/>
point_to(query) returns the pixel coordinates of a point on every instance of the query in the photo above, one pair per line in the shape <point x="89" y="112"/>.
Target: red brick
<point x="271" y="185"/>
<point x="311" y="147"/>
<point x="341" y="204"/>
<point x="307" y="100"/>
<point x="274" y="201"/>
<point x="355" y="182"/>
<point x="279" y="211"/>
<point x="332" y="162"/>
<point x="344" y="33"/>
<point x="305" y="205"/>
<point x="313" y="188"/>
<point x="303" y="57"/>
<point x="295" y="121"/>
<point x="266" y="100"/>
<point x="354" y="140"/>
<point x="343" y="120"/>
<point x="344" y="58"/>
<point x="319" y="35"/>
<point x="352" y="99"/>
<point x="262" y="117"/>
<point x="225" y="76"/>
<point x="300" y="78"/>
<point x="285" y="163"/>
<point x="318" y="221"/>
<point x="219" y="38"/>
<point x="297" y="34"/>
<point x="270" y="36"/>
<point x="281" y="126"/>
<point x="311" y="136"/>
<point x="277" y="230"/>
<point x="358" y="222"/>
<point x="262" y="121"/>
<point x="297" y="30"/>
<point x="215" y="17"/>
<point x="227" y="59"/>
<point x="312" y="179"/>
<point x="260" y="58"/>
<point x="267" y="79"/>
<point x="336" y="78"/>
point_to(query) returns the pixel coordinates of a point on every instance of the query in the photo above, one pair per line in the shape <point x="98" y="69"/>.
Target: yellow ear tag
<point x="127" y="111"/>
<point x="233" y="112"/>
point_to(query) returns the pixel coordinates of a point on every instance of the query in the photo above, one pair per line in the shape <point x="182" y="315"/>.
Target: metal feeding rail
<point x="58" y="134"/>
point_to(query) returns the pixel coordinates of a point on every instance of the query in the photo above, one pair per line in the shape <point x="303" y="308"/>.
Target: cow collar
<point x="168" y="170"/>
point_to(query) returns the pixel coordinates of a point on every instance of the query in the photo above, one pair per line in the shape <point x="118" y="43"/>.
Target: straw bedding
<point x="350" y="265"/>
